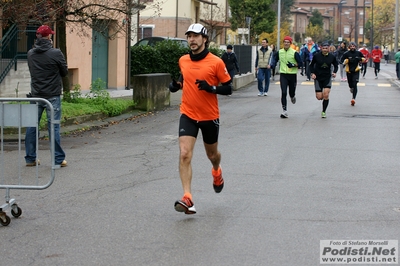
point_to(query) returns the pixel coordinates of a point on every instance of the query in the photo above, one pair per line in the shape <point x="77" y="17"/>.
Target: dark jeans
<point x="231" y="73"/>
<point x="30" y="138"/>
<point x="264" y="74"/>
<point x="308" y="70"/>
<point x="398" y="70"/>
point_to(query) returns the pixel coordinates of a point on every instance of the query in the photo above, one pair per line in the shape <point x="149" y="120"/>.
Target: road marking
<point x="360" y="84"/>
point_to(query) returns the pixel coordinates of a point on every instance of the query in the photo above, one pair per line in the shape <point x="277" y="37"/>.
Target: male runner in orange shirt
<point x="201" y="73"/>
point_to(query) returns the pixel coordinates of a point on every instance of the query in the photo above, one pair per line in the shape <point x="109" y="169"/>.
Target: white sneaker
<point x="284" y="114"/>
<point x="265" y="94"/>
<point x="260" y="94"/>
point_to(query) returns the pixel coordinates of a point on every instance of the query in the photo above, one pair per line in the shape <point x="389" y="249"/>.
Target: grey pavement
<point x="289" y="183"/>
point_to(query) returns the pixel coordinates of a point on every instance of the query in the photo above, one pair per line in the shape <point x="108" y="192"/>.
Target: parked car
<point x="153" y="40"/>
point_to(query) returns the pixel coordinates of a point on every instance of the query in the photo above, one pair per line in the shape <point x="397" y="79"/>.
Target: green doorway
<point x="100" y="52"/>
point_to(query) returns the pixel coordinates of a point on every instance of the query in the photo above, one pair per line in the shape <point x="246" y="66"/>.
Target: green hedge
<point x="162" y="58"/>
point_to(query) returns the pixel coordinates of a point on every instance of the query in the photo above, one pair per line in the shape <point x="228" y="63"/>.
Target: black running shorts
<point x="322" y="84"/>
<point x="190" y="127"/>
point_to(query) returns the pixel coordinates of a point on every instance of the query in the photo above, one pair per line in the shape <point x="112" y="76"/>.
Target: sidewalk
<point x="89" y="121"/>
<point x="93" y="121"/>
<point x="388" y="71"/>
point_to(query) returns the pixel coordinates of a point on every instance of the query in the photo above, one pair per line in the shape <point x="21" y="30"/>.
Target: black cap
<point x="229" y="47"/>
<point x="325" y="44"/>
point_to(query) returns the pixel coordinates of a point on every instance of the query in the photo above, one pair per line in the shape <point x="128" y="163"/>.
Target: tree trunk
<point x="62" y="44"/>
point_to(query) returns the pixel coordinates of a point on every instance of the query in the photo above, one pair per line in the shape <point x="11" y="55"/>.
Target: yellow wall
<point x="79" y="59"/>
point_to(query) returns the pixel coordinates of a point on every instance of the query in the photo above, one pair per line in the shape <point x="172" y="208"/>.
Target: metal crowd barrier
<point x="17" y="114"/>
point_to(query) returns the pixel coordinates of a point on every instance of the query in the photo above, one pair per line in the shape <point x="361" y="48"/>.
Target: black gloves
<point x="290" y="65"/>
<point x="203" y="85"/>
<point x="174" y="86"/>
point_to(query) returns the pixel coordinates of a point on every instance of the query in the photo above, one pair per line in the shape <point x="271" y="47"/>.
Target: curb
<point x="82" y="123"/>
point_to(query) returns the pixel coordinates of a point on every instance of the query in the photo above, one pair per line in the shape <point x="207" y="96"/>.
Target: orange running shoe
<point x="353" y="102"/>
<point x="218" y="183"/>
<point x="185" y="205"/>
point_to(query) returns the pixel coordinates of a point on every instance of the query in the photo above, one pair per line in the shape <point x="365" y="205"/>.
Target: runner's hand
<point x="203" y="85"/>
<point x="174" y="86"/>
<point x="290" y="65"/>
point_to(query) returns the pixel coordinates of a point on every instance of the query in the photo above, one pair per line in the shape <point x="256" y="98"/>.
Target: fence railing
<point x="14" y="46"/>
<point x="8" y="51"/>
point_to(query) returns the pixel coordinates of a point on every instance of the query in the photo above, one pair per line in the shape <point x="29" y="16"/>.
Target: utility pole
<point x="356" y="22"/>
<point x="372" y="30"/>
<point x="364" y="22"/>
<point x="279" y="26"/>
<point x="396" y="28"/>
<point x="248" y="21"/>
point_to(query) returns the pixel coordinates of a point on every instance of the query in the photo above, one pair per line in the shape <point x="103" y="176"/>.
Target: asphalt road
<point x="289" y="183"/>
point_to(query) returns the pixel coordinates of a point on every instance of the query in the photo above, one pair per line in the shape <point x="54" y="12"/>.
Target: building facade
<point x="174" y="17"/>
<point x="343" y="19"/>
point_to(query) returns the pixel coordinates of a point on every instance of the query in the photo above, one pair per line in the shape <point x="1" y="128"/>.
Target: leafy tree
<point x="213" y="16"/>
<point x="286" y="5"/>
<point x="384" y="18"/>
<point x="272" y="37"/>
<point x="79" y="15"/>
<point x="316" y="19"/>
<point x="263" y="17"/>
<point x="316" y="32"/>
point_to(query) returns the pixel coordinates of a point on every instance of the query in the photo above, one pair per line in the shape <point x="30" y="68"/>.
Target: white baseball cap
<point x="197" y="28"/>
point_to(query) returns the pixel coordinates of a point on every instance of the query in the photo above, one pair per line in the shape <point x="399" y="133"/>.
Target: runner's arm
<point x="298" y="59"/>
<point x="175" y="86"/>
<point x="225" y="89"/>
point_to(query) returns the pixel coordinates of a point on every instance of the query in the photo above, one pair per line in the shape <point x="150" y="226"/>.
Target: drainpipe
<point x="176" y="19"/>
<point x="128" y="46"/>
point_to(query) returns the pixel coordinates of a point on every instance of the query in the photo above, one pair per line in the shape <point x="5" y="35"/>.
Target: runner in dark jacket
<point x="352" y="60"/>
<point x="321" y="73"/>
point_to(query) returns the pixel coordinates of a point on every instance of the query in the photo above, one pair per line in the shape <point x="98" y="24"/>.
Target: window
<point x="145" y="31"/>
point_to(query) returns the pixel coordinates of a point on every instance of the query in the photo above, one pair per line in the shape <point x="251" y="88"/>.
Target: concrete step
<point x="17" y="82"/>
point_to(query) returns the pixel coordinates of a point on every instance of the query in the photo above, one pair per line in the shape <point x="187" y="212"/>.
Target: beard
<point x="196" y="48"/>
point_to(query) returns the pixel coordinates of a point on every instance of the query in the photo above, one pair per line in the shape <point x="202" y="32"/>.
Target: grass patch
<point x="111" y="107"/>
<point x="98" y="100"/>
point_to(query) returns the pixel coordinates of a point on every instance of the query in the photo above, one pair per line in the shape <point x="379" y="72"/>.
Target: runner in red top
<point x="201" y="76"/>
<point x="365" y="52"/>
<point x="376" y="55"/>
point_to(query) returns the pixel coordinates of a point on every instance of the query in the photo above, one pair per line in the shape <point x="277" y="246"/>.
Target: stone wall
<point x="150" y="91"/>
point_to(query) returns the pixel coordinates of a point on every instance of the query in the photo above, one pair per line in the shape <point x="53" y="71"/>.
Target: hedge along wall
<point x="162" y="58"/>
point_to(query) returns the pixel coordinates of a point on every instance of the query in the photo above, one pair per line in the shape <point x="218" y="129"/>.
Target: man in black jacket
<point x="231" y="62"/>
<point x="352" y="60"/>
<point x="46" y="65"/>
<point x="321" y="73"/>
